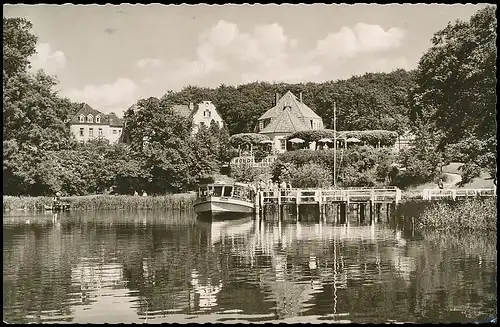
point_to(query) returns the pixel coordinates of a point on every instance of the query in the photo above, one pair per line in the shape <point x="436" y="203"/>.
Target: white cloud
<point x="262" y="53"/>
<point x="47" y="59"/>
<point x="362" y="38"/>
<point x="149" y="62"/>
<point x="117" y="96"/>
<point x="227" y="54"/>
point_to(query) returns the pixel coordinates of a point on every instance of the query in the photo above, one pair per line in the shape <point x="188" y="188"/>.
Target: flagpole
<point x="334" y="144"/>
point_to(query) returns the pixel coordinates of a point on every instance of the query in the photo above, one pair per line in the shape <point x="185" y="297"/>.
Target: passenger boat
<point x="225" y="199"/>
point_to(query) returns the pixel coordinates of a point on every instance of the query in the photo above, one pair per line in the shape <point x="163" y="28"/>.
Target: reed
<point x="475" y="215"/>
<point x="176" y="202"/>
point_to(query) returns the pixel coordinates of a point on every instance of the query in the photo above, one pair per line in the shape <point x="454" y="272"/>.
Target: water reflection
<point x="162" y="267"/>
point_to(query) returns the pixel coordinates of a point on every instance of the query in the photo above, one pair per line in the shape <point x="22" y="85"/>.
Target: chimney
<point x="300" y="96"/>
<point x="277" y="99"/>
<point x="191" y="106"/>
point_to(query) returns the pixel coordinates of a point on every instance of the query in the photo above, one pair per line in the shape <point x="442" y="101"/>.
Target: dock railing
<point x="453" y="194"/>
<point x="325" y="196"/>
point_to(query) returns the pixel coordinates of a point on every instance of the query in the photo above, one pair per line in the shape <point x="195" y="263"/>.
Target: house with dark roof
<point x="289" y="114"/>
<point x="88" y="124"/>
<point x="203" y="114"/>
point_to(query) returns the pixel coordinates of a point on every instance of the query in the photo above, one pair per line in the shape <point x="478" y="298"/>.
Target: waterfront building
<point x="289" y="114"/>
<point x="201" y="115"/>
<point x="88" y="124"/>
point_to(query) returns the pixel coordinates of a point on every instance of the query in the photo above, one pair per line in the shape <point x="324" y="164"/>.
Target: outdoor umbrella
<point x="296" y="140"/>
<point x="266" y="142"/>
<point x="353" y="139"/>
<point x="325" y="140"/>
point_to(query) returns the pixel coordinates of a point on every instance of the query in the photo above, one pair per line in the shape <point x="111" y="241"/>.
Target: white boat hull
<point x="217" y="205"/>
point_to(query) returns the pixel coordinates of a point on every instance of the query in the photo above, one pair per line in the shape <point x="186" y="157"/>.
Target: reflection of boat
<point x="57" y="207"/>
<point x="221" y="229"/>
<point x="225" y="199"/>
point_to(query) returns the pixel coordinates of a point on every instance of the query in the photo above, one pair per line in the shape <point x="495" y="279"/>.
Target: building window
<point x="82" y="119"/>
<point x="312" y="123"/>
<point x="99" y="132"/>
<point x="97" y="119"/>
<point x="114" y="131"/>
<point x="90" y="119"/>
<point x="261" y="125"/>
<point x="91" y="132"/>
<point x="81" y="130"/>
<point x="283" y="144"/>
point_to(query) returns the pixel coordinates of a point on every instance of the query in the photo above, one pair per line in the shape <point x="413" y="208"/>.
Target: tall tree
<point x="35" y="118"/>
<point x="456" y="88"/>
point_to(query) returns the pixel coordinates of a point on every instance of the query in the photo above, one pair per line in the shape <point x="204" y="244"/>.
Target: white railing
<point x="430" y="194"/>
<point x="322" y="196"/>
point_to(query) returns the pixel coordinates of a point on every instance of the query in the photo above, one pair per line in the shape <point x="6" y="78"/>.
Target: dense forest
<point x="448" y="102"/>
<point x="368" y="102"/>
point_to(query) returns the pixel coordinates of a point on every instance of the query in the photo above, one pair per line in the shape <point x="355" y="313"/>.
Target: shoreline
<point x="180" y="201"/>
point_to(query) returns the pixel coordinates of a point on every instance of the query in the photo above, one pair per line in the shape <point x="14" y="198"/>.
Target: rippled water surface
<point x="150" y="266"/>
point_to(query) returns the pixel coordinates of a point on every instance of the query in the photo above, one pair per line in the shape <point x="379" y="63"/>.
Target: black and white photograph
<point x="249" y="163"/>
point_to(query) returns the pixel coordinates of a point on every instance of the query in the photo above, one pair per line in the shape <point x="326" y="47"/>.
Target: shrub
<point x="246" y="139"/>
<point x="311" y="175"/>
<point x="360" y="166"/>
<point x="282" y="171"/>
<point x="249" y="174"/>
<point x="469" y="215"/>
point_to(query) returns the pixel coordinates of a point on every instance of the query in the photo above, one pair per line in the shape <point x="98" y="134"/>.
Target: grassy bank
<point x="475" y="215"/>
<point x="103" y="202"/>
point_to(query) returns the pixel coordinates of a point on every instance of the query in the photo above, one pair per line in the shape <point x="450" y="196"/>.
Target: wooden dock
<point x="338" y="200"/>
<point x="457" y="193"/>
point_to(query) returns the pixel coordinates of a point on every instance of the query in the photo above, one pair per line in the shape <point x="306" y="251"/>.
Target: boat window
<point x="245" y="194"/>
<point x="227" y="191"/>
<point x="237" y="192"/>
<point x="203" y="192"/>
<point x="217" y="190"/>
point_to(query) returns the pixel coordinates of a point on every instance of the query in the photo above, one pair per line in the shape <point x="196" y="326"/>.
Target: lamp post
<point x="334" y="144"/>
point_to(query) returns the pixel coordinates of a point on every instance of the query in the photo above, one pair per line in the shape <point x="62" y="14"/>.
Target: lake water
<point x="150" y="266"/>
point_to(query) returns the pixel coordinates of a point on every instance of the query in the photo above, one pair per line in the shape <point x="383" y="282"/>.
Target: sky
<point x="109" y="56"/>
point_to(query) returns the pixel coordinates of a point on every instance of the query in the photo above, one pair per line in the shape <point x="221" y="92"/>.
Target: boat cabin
<point x="236" y="191"/>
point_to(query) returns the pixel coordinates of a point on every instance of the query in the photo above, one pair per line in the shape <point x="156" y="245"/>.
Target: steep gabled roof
<point x="85" y="110"/>
<point x="298" y="108"/>
<point x="285" y="122"/>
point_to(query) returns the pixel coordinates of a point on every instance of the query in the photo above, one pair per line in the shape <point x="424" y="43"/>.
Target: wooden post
<point x="279" y="198"/>
<point x="379" y="209"/>
<point x="388" y="212"/>
<point x="320" y="203"/>
<point x="342" y="213"/>
<point x="371" y="211"/>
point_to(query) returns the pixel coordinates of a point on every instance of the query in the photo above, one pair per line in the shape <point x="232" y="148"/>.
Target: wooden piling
<point x="362" y="212"/>
<point x="371" y="211"/>
<point x="342" y="213"/>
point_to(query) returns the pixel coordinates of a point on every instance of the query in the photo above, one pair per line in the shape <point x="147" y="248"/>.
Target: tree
<point x="35" y="117"/>
<point x="456" y="88"/>
<point x="18" y="45"/>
